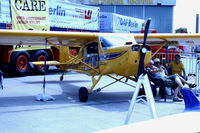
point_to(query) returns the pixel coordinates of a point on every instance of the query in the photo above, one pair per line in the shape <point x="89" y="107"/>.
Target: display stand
<point x="143" y="79"/>
<point x="43" y="96"/>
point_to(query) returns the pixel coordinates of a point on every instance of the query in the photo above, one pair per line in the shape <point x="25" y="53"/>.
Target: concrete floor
<point x="21" y="113"/>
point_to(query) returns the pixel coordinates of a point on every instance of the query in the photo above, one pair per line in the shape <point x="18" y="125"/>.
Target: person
<point x="177" y="67"/>
<point x="172" y="81"/>
<point x="164" y="72"/>
<point x="158" y="64"/>
<point x="1" y="79"/>
<point x="197" y="49"/>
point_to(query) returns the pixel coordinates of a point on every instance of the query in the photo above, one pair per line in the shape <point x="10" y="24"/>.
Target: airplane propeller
<point x="143" y="50"/>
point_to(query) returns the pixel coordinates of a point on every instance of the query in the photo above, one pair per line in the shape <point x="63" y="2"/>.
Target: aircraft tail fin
<point x="190" y="99"/>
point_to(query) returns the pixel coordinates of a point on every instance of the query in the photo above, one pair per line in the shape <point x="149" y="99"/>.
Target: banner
<point x="127" y="24"/>
<point x="73" y="16"/>
<point x="30" y="15"/>
<point x="111" y="22"/>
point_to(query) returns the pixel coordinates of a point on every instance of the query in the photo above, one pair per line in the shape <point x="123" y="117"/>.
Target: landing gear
<point x="83" y="94"/>
<point x="62" y="77"/>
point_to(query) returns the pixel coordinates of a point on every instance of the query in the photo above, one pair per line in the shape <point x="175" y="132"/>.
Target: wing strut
<point x="43" y="96"/>
<point x="164" y="44"/>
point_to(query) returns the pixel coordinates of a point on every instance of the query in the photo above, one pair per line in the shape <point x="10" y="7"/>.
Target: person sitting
<point x="172" y="81"/>
<point x="177" y="67"/>
<point x="158" y="64"/>
<point x="162" y="90"/>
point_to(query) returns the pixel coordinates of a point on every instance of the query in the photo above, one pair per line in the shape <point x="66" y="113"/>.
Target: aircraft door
<point x="92" y="56"/>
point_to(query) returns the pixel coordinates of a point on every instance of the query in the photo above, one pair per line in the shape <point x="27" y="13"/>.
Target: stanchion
<point x="44" y="96"/>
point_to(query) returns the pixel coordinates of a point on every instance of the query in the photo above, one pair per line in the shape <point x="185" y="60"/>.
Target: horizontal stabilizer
<point x="49" y="63"/>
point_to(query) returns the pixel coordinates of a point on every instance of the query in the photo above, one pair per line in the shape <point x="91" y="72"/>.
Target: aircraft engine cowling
<point x="134" y="59"/>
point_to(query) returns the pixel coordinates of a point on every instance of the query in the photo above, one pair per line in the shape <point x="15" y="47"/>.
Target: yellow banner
<point x="30" y="15"/>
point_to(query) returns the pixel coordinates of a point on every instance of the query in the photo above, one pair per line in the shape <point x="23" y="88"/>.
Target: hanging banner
<point x="111" y="22"/>
<point x="127" y="24"/>
<point x="30" y="15"/>
<point x="73" y="16"/>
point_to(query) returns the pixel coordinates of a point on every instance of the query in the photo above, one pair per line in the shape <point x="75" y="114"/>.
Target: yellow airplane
<point x="98" y="54"/>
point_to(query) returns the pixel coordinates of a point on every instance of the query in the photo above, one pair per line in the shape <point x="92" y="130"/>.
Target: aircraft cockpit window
<point x="110" y="41"/>
<point x="105" y="44"/>
<point x="92" y="48"/>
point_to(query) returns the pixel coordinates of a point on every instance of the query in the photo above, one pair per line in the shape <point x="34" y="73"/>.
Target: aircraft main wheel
<point x="19" y="63"/>
<point x="83" y="94"/>
<point x="40" y="56"/>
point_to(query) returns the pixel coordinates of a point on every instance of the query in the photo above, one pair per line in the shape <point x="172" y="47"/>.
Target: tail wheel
<point x="19" y="63"/>
<point x="83" y="94"/>
<point x="40" y="56"/>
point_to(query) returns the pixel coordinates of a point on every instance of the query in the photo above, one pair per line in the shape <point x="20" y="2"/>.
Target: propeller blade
<point x="143" y="50"/>
<point x="146" y="32"/>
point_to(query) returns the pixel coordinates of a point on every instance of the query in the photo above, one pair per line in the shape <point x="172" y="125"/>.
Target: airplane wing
<point x="171" y="38"/>
<point x="16" y="37"/>
<point x="39" y="38"/>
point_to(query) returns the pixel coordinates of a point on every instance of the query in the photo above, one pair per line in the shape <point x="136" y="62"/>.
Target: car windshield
<point x="114" y="40"/>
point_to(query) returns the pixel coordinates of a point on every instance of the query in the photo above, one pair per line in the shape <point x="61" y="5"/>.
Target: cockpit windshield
<point x="114" y="40"/>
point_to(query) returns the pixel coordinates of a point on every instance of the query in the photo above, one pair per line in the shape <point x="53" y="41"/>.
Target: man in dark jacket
<point x="1" y="79"/>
